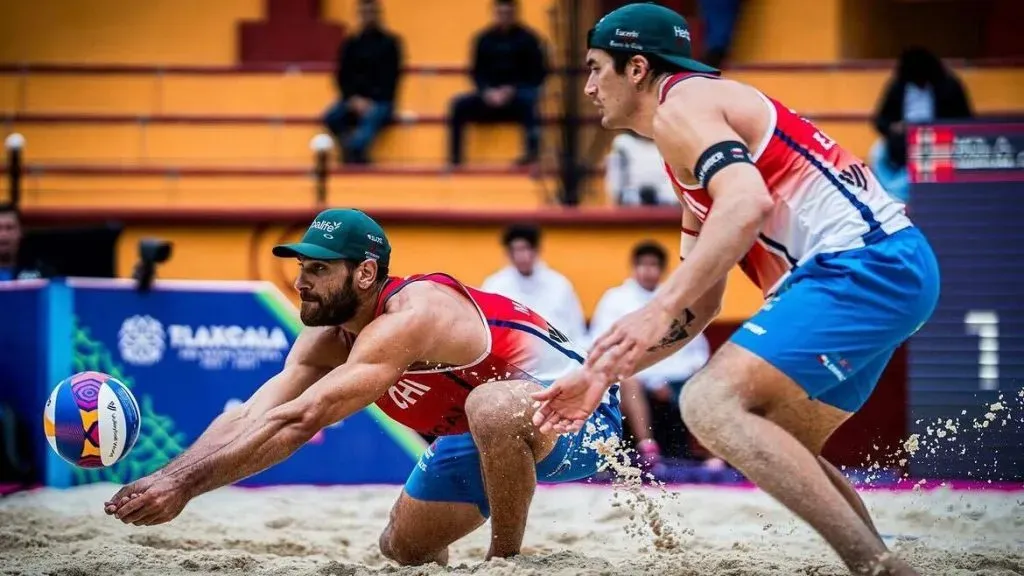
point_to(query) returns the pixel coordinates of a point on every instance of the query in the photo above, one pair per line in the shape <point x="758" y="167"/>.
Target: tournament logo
<point x="141" y="340"/>
<point x="236" y="347"/>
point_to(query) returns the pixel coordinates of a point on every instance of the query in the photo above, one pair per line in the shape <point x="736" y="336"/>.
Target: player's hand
<point x="152" y="500"/>
<point x="122" y="495"/>
<point x="566" y="404"/>
<point x="616" y="353"/>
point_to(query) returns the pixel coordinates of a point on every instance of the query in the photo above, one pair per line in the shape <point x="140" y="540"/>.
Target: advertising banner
<point x="966" y="366"/>
<point x="34" y="351"/>
<point x="190" y="350"/>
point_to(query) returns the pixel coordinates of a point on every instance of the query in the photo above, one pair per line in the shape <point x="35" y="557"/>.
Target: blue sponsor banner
<point x="190" y="350"/>
<point x="34" y="351"/>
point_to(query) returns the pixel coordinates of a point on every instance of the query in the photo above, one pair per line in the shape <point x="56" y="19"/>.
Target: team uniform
<point x="845" y="274"/>
<point x="431" y="399"/>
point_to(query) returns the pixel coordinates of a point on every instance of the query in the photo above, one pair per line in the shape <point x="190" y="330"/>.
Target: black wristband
<point x="718" y="156"/>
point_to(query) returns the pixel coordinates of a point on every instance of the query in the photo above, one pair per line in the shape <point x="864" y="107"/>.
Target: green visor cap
<point x="340" y="234"/>
<point x="647" y="28"/>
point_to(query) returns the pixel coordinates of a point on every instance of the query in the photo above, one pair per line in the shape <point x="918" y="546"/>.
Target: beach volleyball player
<point x="442" y="358"/>
<point x="845" y="275"/>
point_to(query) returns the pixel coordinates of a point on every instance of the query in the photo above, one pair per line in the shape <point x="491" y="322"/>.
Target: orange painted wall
<point x="788" y="31"/>
<point x="202" y="32"/>
<point x="123" y="31"/>
<point x="594" y="259"/>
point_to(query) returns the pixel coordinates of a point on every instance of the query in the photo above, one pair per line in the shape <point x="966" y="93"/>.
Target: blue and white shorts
<point x="836" y="321"/>
<point x="449" y="470"/>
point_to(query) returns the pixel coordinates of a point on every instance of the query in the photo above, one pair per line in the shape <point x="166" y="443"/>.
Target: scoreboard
<point x="966" y="366"/>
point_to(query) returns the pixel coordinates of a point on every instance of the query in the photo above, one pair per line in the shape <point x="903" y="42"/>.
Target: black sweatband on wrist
<point x="718" y="156"/>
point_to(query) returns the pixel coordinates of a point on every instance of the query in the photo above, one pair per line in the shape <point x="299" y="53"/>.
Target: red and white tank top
<point x="826" y="199"/>
<point x="521" y="346"/>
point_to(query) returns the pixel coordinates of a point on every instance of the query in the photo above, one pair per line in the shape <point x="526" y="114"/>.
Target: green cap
<point x="647" y="28"/>
<point x="340" y="233"/>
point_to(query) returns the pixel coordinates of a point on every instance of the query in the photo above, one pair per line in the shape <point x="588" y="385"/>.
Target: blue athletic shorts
<point x="449" y="470"/>
<point x="835" y="322"/>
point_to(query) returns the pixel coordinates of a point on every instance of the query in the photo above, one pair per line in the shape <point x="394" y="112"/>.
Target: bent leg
<point x="419" y="532"/>
<point x="849" y="493"/>
<point x="746" y="411"/>
<point x="500" y="420"/>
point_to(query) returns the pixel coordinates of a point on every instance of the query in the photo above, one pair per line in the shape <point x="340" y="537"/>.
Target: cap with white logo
<point x="340" y="234"/>
<point x="647" y="28"/>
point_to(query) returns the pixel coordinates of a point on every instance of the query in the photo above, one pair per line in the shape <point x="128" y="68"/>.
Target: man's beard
<point x="336" y="309"/>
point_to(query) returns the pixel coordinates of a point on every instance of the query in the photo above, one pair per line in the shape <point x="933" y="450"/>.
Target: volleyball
<point x="91" y="420"/>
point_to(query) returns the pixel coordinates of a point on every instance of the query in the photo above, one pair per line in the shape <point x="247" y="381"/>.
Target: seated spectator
<point x="922" y="90"/>
<point x="367" y="78"/>
<point x="508" y="70"/>
<point x="662" y="382"/>
<point x="530" y="282"/>
<point x="13" y="265"/>
<point x="635" y="173"/>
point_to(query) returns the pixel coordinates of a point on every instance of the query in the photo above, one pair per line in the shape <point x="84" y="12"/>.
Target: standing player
<point x="437" y="356"/>
<point x="845" y="275"/>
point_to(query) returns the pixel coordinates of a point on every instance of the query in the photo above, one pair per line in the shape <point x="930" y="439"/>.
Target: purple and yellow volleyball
<point x="91" y="420"/>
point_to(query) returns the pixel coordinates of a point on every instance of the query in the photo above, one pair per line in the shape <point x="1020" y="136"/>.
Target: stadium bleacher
<point x="154" y="121"/>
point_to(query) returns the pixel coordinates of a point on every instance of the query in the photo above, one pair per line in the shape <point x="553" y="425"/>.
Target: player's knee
<point x="493" y="410"/>
<point x="703" y="405"/>
<point x="402" y="553"/>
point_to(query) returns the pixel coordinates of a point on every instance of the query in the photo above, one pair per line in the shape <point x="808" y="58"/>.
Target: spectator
<point x="12" y="261"/>
<point x="367" y="78"/>
<point x="720" y="21"/>
<point x="662" y="382"/>
<point x="635" y="173"/>
<point x="922" y="90"/>
<point x="508" y="70"/>
<point x="530" y="282"/>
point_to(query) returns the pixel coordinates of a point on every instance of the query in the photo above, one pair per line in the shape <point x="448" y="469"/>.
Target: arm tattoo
<point x="676" y="332"/>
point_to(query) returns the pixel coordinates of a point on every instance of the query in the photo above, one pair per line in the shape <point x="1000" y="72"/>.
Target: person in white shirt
<point x="635" y="173"/>
<point x="531" y="282"/>
<point x="662" y="381"/>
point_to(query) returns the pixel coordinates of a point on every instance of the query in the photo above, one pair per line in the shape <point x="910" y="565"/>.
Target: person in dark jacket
<point x="508" y="69"/>
<point x="367" y="78"/>
<point x="922" y="90"/>
<point x="14" y="263"/>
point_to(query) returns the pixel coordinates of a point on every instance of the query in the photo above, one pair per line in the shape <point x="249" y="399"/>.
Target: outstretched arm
<point x="691" y="128"/>
<point x="378" y="358"/>
<point x="315" y="352"/>
<point x="694" y="319"/>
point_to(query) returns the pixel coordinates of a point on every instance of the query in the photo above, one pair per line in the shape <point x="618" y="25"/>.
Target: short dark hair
<point x="650" y="248"/>
<point x="528" y="232"/>
<point x="511" y="3"/>
<point x="658" y="66"/>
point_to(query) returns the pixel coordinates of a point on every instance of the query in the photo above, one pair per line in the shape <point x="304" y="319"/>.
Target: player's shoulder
<point x="413" y="296"/>
<point x="424" y="300"/>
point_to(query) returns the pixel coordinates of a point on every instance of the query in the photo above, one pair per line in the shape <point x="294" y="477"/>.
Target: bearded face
<point x="328" y="293"/>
